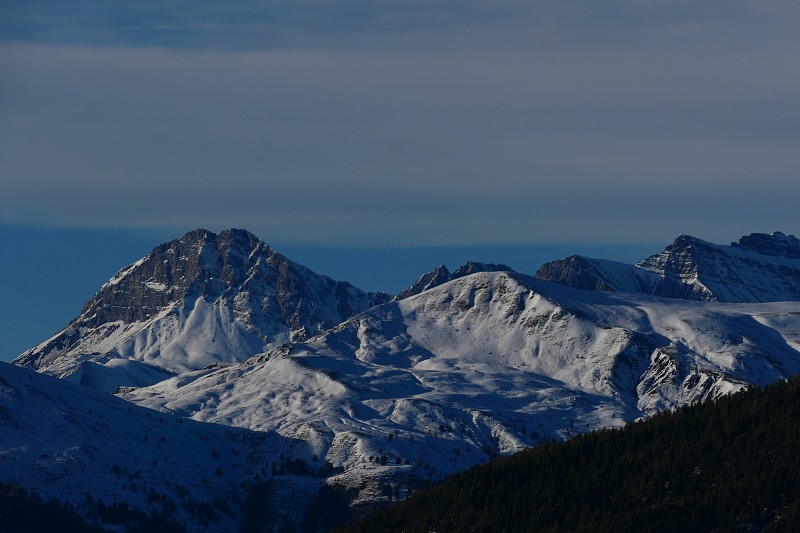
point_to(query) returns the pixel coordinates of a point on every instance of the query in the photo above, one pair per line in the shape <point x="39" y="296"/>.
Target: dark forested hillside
<point x="728" y="465"/>
<point x="25" y="512"/>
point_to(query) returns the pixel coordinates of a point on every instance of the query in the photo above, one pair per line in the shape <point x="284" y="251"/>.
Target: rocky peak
<point x="441" y="275"/>
<point x="431" y="279"/>
<point x="681" y="257"/>
<point x="230" y="287"/>
<point x="683" y="248"/>
<point x="200" y="263"/>
<point x="776" y="244"/>
<point x="576" y="271"/>
<point x="471" y="267"/>
<point x="757" y="268"/>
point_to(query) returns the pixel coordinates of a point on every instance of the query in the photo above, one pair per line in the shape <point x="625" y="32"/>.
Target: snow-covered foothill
<point x="83" y="447"/>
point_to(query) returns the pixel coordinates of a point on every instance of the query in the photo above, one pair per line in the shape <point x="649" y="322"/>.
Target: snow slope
<point x="483" y="365"/>
<point x="109" y="376"/>
<point x="81" y="446"/>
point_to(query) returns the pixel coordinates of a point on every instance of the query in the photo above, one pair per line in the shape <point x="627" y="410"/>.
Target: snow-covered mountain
<point x="196" y="301"/>
<point x="98" y="452"/>
<point x="483" y="365"/>
<point x="329" y="394"/>
<point x="757" y="268"/>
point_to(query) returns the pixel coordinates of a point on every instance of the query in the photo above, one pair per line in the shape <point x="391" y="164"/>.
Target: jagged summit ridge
<point x="441" y="275"/>
<point x="590" y="274"/>
<point x="198" y="264"/>
<point x="758" y="268"/>
<point x="199" y="300"/>
<point x="777" y="244"/>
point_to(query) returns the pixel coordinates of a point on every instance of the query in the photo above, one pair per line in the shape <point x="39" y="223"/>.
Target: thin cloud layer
<point x="404" y="122"/>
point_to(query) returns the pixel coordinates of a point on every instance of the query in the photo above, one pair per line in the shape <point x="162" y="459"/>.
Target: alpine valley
<point x="219" y="385"/>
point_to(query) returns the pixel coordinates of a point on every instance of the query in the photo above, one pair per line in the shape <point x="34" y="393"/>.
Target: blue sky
<point x="483" y="127"/>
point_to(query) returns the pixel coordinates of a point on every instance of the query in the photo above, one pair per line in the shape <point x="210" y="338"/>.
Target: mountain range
<point x="757" y="268"/>
<point x="371" y="395"/>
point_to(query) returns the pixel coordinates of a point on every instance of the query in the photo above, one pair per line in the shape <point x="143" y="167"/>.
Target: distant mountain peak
<point x="471" y="267"/>
<point x="686" y="239"/>
<point x="777" y="244"/>
<point x="590" y="274"/>
<point x="758" y="268"/>
<point x="441" y="275"/>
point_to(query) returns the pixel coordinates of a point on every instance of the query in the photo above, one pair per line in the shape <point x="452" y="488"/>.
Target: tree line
<point x="727" y="465"/>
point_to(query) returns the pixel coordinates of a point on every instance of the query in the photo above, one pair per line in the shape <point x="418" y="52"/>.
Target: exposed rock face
<point x="777" y="244"/>
<point x="198" y="300"/>
<point x="590" y="274"/>
<point x="683" y="267"/>
<point x="441" y="275"/>
<point x="757" y="268"/>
